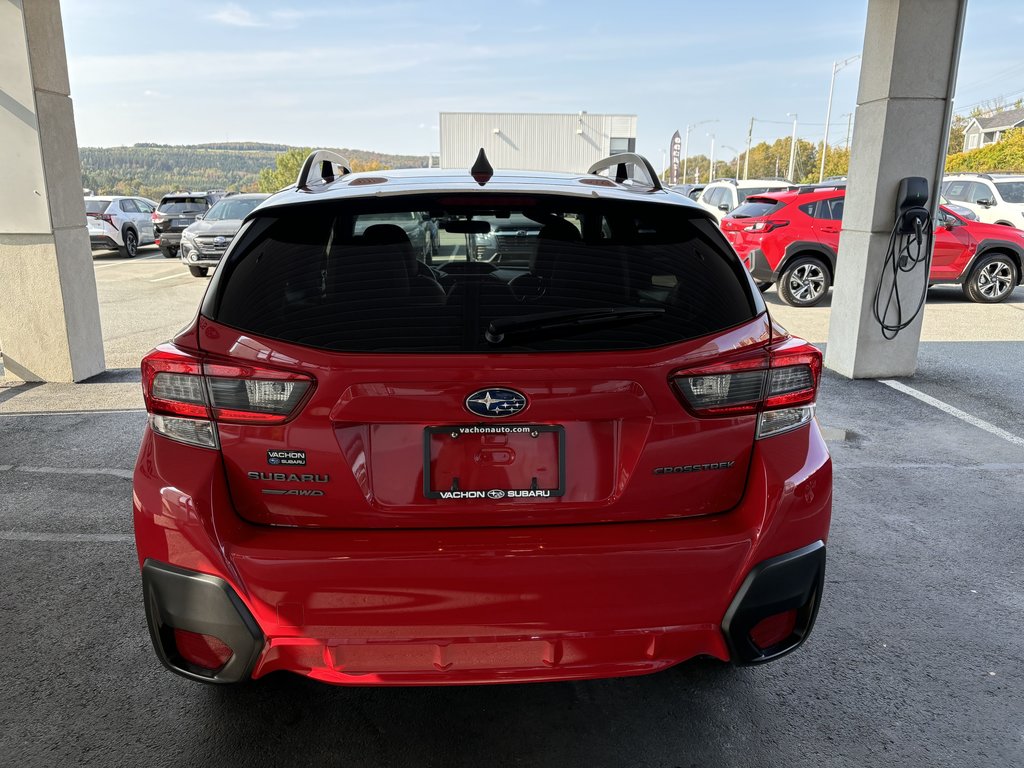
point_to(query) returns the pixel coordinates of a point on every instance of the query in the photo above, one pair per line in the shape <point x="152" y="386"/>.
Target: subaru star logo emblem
<point x="495" y="403"/>
<point x="219" y="240"/>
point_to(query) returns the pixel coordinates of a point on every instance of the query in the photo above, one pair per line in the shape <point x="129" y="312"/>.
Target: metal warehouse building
<point x="554" y="142"/>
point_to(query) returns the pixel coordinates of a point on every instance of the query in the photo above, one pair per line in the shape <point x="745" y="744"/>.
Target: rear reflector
<point x="774" y="629"/>
<point x="205" y="651"/>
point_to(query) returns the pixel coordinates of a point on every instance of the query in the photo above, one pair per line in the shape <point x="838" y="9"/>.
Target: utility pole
<point x="849" y="127"/>
<point x="836" y="66"/>
<point x="792" y="148"/>
<point x="746" y="157"/>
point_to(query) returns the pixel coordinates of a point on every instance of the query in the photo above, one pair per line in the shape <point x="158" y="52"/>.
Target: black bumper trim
<point x="197" y="602"/>
<point x="759" y="267"/>
<point x="787" y="582"/>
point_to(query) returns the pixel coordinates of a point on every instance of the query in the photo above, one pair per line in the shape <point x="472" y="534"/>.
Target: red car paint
<point x="667" y="511"/>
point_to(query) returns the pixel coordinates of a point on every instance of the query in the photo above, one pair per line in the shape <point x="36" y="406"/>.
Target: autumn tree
<point x="285" y="172"/>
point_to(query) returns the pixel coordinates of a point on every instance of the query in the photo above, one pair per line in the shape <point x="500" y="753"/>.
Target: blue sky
<point x="375" y="75"/>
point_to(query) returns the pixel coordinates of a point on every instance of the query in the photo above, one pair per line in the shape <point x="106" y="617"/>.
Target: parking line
<point x="66" y="538"/>
<point x="126" y="262"/>
<point x="171" y="277"/>
<point x="72" y="413"/>
<point x="123" y="473"/>
<point x="955" y="412"/>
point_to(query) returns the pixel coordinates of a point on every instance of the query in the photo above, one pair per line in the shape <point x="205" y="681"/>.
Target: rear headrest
<point x="385" y="234"/>
<point x="561" y="230"/>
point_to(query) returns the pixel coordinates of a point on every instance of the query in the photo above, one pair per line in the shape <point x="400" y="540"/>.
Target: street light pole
<point x="726" y="146"/>
<point x="711" y="165"/>
<point x="686" y="142"/>
<point x="836" y="66"/>
<point x="792" y="148"/>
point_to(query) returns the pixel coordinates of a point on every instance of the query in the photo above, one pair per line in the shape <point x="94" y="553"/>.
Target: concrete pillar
<point x="49" y="313"/>
<point x="909" y="65"/>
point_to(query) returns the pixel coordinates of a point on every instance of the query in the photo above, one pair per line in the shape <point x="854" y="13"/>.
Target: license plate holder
<point x="507" y="462"/>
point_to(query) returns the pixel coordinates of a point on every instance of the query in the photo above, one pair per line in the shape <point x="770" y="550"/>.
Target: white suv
<point x="995" y="198"/>
<point x="120" y="223"/>
<point x="723" y="195"/>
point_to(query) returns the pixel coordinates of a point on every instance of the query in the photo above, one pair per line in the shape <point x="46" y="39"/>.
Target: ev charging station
<point x="49" y="312"/>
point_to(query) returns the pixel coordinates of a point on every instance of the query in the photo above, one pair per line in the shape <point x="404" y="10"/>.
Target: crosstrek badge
<point x="287" y="458"/>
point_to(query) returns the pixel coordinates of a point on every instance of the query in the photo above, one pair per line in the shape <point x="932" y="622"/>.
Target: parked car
<point x="175" y="213"/>
<point x="692" y="191"/>
<point x="793" y="238"/>
<point x="511" y="241"/>
<point x="417" y="225"/>
<point x="723" y="195"/>
<point x="995" y="198"/>
<point x="204" y="242"/>
<point x="370" y="471"/>
<point x="119" y="223"/>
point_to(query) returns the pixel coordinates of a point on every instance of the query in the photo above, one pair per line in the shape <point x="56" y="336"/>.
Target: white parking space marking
<point x="171" y="277"/>
<point x="125" y="473"/>
<point x="128" y="262"/>
<point x="71" y="413"/>
<point x="66" y="538"/>
<point x="953" y="411"/>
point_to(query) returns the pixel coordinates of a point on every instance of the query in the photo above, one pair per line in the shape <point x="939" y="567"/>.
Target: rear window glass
<point x="1012" y="191"/>
<point x="96" y="206"/>
<point x="744" y="193"/>
<point x="184" y="205"/>
<point x="591" y="275"/>
<point x="756" y="207"/>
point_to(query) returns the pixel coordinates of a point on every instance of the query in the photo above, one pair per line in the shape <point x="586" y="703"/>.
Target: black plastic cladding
<point x="787" y="582"/>
<point x="176" y="598"/>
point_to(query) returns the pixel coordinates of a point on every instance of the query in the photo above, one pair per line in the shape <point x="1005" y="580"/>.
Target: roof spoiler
<point x="324" y="161"/>
<point x="621" y="163"/>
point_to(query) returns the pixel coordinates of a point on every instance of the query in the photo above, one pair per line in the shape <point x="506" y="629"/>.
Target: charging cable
<point x="905" y="253"/>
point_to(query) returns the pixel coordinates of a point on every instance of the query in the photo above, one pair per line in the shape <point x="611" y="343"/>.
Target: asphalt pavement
<point x="916" y="659"/>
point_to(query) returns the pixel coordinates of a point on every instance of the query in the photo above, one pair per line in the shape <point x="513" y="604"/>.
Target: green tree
<point x="1005" y="155"/>
<point x="285" y="172"/>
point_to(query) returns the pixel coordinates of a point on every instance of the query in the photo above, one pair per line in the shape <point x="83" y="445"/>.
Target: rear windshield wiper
<point x="577" y="320"/>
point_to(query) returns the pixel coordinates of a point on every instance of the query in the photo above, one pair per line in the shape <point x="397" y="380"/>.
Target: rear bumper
<point x="456" y="606"/>
<point x="759" y="267"/>
<point x="103" y="243"/>
<point x="172" y="239"/>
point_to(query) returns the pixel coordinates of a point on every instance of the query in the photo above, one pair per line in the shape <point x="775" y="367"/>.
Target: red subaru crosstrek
<point x="598" y="461"/>
<point x="793" y="238"/>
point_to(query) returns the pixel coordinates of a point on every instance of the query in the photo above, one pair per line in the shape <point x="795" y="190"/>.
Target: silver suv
<point x="203" y="243"/>
<point x="995" y="198"/>
<point x="721" y="196"/>
<point x="120" y="223"/>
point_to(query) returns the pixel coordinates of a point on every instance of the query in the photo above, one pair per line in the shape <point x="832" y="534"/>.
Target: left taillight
<point x="186" y="397"/>
<point x="765" y="226"/>
<point x="780" y="385"/>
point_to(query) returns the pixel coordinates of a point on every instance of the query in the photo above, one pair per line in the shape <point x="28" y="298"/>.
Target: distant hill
<point x="152" y="170"/>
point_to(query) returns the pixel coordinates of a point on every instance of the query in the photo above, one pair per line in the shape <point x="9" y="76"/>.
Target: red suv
<point x="368" y="470"/>
<point x="793" y="238"/>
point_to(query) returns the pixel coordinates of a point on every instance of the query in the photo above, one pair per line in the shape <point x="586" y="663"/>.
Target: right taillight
<point x="187" y="397"/>
<point x="780" y="385"/>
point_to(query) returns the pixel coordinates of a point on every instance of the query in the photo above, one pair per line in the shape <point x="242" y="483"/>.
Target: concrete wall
<point x="569" y="142"/>
<point x="49" y="313"/>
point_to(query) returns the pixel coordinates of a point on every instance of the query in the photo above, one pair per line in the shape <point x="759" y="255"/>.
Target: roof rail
<point x="805" y="189"/>
<point x="621" y="162"/>
<point x="970" y="173"/>
<point x="326" y="159"/>
<point x="726" y="179"/>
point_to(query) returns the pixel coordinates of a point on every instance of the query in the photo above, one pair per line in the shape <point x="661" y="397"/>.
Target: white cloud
<point x="235" y="15"/>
